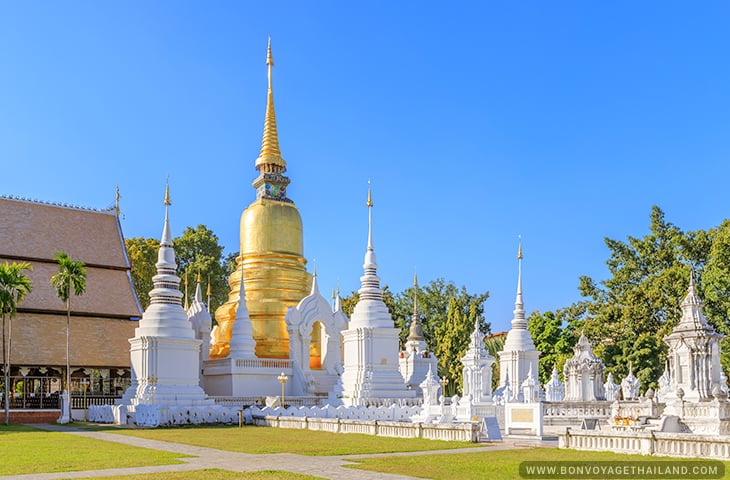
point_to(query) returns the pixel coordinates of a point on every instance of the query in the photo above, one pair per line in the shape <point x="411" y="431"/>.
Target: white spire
<point x="338" y="301"/>
<point x="242" y="344"/>
<point x="165" y="315"/>
<point x="198" y="291"/>
<point x="166" y="254"/>
<point x="519" y="321"/>
<point x="370" y="282"/>
<point x="315" y="285"/>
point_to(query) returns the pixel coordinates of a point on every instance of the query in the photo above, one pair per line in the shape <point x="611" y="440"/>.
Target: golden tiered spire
<point x="270" y="157"/>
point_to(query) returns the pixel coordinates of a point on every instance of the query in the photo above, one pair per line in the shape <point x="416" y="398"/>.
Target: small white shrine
<point x="477" y="372"/>
<point x="416" y="360"/>
<point x="371" y="369"/>
<point x="165" y="353"/>
<point x="583" y="374"/>
<point x="518" y="356"/>
<point x="630" y="385"/>
<point x="554" y="389"/>
<point x="696" y="391"/>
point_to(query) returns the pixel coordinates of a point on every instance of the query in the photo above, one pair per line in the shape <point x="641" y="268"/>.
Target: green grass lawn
<point x="214" y="474"/>
<point x="250" y="439"/>
<point x="492" y="465"/>
<point x="26" y="450"/>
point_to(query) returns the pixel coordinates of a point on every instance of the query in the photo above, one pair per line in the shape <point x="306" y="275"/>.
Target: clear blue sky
<point x="560" y="121"/>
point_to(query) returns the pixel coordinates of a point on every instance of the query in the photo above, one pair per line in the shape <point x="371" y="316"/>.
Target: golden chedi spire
<point x="271" y="259"/>
<point x="270" y="159"/>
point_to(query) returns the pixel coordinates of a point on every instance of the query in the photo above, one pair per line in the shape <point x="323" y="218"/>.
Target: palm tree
<point x="71" y="274"/>
<point x="14" y="285"/>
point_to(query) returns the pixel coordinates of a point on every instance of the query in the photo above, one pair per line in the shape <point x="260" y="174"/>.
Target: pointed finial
<point x="269" y="56"/>
<point x="333" y="294"/>
<point x="198" y="275"/>
<point x="415" y="280"/>
<point x="369" y="204"/>
<point x="167" y="201"/>
<point x="116" y="201"/>
<point x="519" y="248"/>
<point x="314" y="271"/>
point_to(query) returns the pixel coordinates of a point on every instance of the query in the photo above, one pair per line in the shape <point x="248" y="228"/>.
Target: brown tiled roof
<point x="37" y="230"/>
<point x="34" y="232"/>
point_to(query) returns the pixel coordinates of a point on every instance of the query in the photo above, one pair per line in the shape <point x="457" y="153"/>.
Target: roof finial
<point x="116" y="201"/>
<point x="314" y="272"/>
<point x="519" y="248"/>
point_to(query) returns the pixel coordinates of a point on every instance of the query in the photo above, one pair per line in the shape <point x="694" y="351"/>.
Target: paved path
<point x="330" y="467"/>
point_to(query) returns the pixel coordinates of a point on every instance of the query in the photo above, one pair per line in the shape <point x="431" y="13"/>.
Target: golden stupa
<point x="271" y="251"/>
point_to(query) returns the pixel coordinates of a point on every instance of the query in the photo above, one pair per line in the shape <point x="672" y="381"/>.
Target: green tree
<point x="14" y="286"/>
<point x="71" y="276"/>
<point x="715" y="285"/>
<point x="453" y="336"/>
<point x="552" y="341"/>
<point x="142" y="254"/>
<point x="198" y="252"/>
<point x="627" y="315"/>
<point x="495" y="344"/>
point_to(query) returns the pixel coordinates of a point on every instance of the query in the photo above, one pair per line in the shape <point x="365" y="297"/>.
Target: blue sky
<point x="563" y="122"/>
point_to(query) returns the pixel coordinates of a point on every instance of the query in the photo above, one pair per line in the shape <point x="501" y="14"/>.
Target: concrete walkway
<point x="331" y="467"/>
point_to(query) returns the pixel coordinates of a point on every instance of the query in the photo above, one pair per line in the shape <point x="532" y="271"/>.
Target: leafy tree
<point x="627" y="315"/>
<point x="453" y="340"/>
<point x="142" y="254"/>
<point x="494" y="344"/>
<point x="71" y="276"/>
<point x="552" y="341"/>
<point x="198" y="252"/>
<point x="715" y="284"/>
<point x="14" y="285"/>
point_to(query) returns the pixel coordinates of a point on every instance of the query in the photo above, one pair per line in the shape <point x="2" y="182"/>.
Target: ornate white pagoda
<point x="477" y="372"/>
<point x="165" y="353"/>
<point x="371" y="372"/>
<point x="518" y="356"/>
<point x="583" y="374"/>
<point x="697" y="391"/>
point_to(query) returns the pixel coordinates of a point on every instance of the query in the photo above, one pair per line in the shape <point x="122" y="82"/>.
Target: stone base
<point x="249" y="377"/>
<point x="709" y="417"/>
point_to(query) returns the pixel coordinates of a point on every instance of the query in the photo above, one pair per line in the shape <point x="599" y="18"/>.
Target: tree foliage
<point x="627" y="315"/>
<point x="142" y="254"/>
<point x="552" y="340"/>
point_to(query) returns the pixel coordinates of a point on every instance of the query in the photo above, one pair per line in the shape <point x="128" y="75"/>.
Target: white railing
<point x="649" y="443"/>
<point x="277" y="363"/>
<point x="464" y="432"/>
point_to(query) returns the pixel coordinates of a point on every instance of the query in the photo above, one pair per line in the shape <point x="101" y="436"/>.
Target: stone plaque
<point x="522" y="415"/>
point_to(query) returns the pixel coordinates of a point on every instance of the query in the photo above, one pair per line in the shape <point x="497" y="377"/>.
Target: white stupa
<point x="165" y="355"/>
<point x="371" y="372"/>
<point x="416" y="360"/>
<point x="242" y="344"/>
<point x="518" y="356"/>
